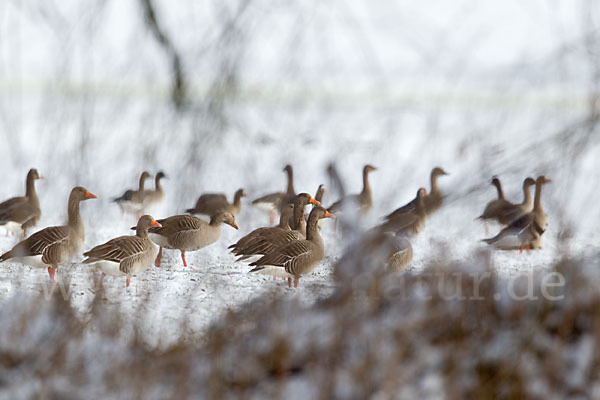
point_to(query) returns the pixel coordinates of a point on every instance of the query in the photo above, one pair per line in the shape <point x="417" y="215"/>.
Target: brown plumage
<point x="125" y="255"/>
<point x="132" y="201"/>
<point x="509" y="212"/>
<point x="296" y="258"/>
<point x="410" y="223"/>
<point x="22" y="212"/>
<point x="211" y="203"/>
<point x="274" y="202"/>
<point x="271" y="238"/>
<point x="433" y="200"/>
<point x="363" y="201"/>
<point x="254" y="240"/>
<point x="153" y="198"/>
<point x="527" y="230"/>
<point x="54" y="245"/>
<point x="188" y="233"/>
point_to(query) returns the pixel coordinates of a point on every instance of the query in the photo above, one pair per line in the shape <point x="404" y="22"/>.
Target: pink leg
<point x="51" y="272"/>
<point x="158" y="257"/>
<point x="272" y="217"/>
<point x="99" y="284"/>
<point x="183" y="258"/>
<point x="290" y="283"/>
<point x="296" y="280"/>
<point x="128" y="281"/>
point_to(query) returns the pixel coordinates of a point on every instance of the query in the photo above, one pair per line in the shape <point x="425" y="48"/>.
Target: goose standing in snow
<point x="55" y="245"/>
<point x="274" y="202"/>
<point x="296" y="258"/>
<point x="526" y="231"/>
<point x="188" y="233"/>
<point x="433" y="200"/>
<point x="125" y="255"/>
<point x="22" y="212"/>
<point x="153" y="198"/>
<point x="211" y="203"/>
<point x="132" y="201"/>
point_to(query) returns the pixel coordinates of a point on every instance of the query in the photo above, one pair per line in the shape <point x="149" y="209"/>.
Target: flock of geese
<point x="289" y="250"/>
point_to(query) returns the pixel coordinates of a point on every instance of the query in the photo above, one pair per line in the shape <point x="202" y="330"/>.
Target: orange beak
<point x="41" y="176"/>
<point x="89" y="195"/>
<point x="234" y="225"/>
<point x="328" y="214"/>
<point x="313" y="201"/>
<point x="154" y="223"/>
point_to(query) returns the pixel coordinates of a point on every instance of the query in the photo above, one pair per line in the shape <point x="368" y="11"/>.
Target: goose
<point x="528" y="228"/>
<point x="211" y="203"/>
<point x="271" y="238"/>
<point x="363" y="200"/>
<point x="509" y="212"/>
<point x="22" y="212"/>
<point x="296" y="258"/>
<point x="125" y="255"/>
<point x="188" y="233"/>
<point x="55" y="245"/>
<point x="132" y="201"/>
<point x="153" y="198"/>
<point x="409" y="223"/>
<point x="259" y="234"/>
<point x="273" y="202"/>
<point x="433" y="199"/>
<point x="493" y="206"/>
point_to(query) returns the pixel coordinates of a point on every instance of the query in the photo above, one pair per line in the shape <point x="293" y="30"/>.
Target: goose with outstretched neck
<point x="296" y="258"/>
<point x="510" y="212"/>
<point x="153" y="198"/>
<point x="433" y="200"/>
<point x="274" y="202"/>
<point x="55" y="245"/>
<point x="125" y="255"/>
<point x="211" y="203"/>
<point x="526" y="231"/>
<point x="492" y="208"/>
<point x="362" y="201"/>
<point x="271" y="238"/>
<point x="132" y="201"/>
<point x="188" y="233"/>
<point x="22" y="212"/>
<point x="409" y="223"/>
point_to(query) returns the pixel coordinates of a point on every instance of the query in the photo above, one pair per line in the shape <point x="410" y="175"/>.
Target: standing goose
<point x="240" y="248"/>
<point x="272" y="238"/>
<point x="491" y="209"/>
<point x="507" y="214"/>
<point x="433" y="199"/>
<point x="211" y="203"/>
<point x="297" y="258"/>
<point x="409" y="223"/>
<point x="153" y="198"/>
<point x="363" y="200"/>
<point x="188" y="233"/>
<point x="54" y="245"/>
<point x="528" y="228"/>
<point x="125" y="255"/>
<point x="22" y="212"/>
<point x="132" y="201"/>
<point x="274" y="202"/>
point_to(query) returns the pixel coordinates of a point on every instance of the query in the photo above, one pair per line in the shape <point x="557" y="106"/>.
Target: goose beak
<point x="328" y="214"/>
<point x="154" y="223"/>
<point x="234" y="225"/>
<point x="313" y="201"/>
<point x="89" y="195"/>
<point x="40" y="176"/>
